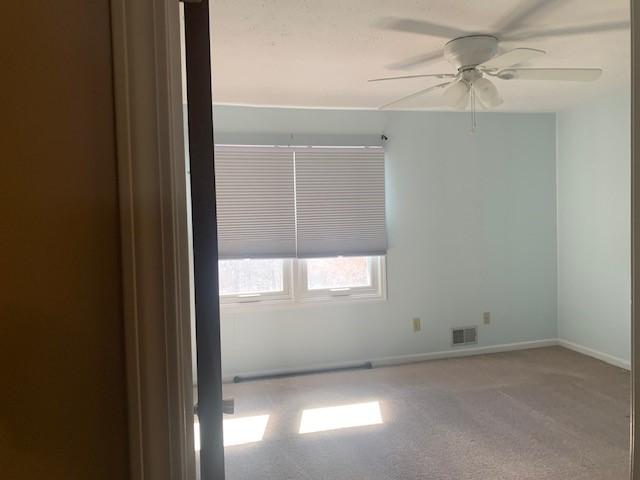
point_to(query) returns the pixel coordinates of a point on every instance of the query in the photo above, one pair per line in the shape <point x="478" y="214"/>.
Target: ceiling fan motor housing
<point x="471" y="50"/>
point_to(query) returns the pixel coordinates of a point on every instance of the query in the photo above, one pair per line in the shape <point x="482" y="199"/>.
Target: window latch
<point x="228" y="406"/>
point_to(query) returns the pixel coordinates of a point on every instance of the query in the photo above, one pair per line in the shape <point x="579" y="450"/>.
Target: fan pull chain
<point x="473" y="109"/>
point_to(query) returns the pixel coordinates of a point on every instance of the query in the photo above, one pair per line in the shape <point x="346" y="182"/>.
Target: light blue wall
<point x="593" y="170"/>
<point x="471" y="226"/>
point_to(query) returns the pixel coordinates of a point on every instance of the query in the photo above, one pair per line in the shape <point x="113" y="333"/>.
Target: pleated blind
<point x="281" y="202"/>
<point x="255" y="202"/>
<point x="340" y="202"/>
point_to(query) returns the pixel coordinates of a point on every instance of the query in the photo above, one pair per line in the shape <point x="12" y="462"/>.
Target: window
<point x="252" y="280"/>
<point x="354" y="277"/>
<point x="338" y="273"/>
<point x="308" y="221"/>
<point x="289" y="281"/>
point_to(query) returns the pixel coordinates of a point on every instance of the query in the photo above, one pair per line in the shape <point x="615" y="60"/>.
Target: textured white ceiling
<point x="320" y="53"/>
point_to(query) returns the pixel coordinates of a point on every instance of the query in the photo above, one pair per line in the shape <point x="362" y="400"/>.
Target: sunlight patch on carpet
<point x="344" y="416"/>
<point x="238" y="431"/>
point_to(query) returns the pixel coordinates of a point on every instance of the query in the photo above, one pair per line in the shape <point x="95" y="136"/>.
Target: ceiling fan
<point x="476" y="57"/>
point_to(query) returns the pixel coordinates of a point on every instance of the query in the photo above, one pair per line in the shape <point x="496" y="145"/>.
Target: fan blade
<point x="436" y="75"/>
<point x="414" y="95"/>
<point x="416" y="60"/>
<point x="486" y="92"/>
<point x="421" y="27"/>
<point x="512" y="57"/>
<point x="566" y="74"/>
<point x="521" y="15"/>
<point x="456" y="94"/>
<point x="565" y="31"/>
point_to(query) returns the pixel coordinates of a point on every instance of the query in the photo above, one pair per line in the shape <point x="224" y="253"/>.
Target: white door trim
<point x="152" y="189"/>
<point x="635" y="241"/>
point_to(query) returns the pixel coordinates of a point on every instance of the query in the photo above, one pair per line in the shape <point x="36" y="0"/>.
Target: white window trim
<point x="375" y="291"/>
<point x="297" y="295"/>
<point x="284" y="296"/>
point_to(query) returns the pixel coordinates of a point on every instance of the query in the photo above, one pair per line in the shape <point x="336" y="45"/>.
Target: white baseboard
<point x="402" y="359"/>
<point x="605" y="357"/>
<point x="463" y="352"/>
<point x="453" y="353"/>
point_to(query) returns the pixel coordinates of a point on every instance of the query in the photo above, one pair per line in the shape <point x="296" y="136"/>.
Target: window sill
<point x="302" y="303"/>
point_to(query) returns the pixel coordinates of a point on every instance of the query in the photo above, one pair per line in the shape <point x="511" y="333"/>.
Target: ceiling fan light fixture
<point x="462" y="104"/>
<point x="487" y="93"/>
<point x="456" y="94"/>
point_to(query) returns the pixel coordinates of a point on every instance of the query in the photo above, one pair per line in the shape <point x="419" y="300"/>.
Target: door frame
<point x="154" y="238"/>
<point x="634" y="444"/>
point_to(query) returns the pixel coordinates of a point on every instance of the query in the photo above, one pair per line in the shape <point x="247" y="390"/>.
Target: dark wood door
<point x="205" y="238"/>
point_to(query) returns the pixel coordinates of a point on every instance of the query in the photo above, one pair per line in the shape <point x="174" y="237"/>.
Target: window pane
<point x="251" y="276"/>
<point x="341" y="272"/>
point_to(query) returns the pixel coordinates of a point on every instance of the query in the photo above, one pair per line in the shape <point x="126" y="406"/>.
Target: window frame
<point x="296" y="293"/>
<point x="283" y="296"/>
<point x="374" y="291"/>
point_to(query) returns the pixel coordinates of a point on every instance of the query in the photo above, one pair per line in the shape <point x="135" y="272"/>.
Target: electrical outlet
<point x="416" y="324"/>
<point x="486" y="318"/>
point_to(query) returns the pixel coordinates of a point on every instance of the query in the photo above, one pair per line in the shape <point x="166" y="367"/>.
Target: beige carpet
<point x="545" y="413"/>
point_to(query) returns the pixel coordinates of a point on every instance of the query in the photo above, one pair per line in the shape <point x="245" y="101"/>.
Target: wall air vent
<point x="464" y="336"/>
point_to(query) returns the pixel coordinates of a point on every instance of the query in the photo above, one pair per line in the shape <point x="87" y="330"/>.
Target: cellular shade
<point x="340" y="202"/>
<point x="255" y="202"/>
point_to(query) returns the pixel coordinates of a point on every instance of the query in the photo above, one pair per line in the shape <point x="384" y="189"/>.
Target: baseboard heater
<point x="294" y="373"/>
